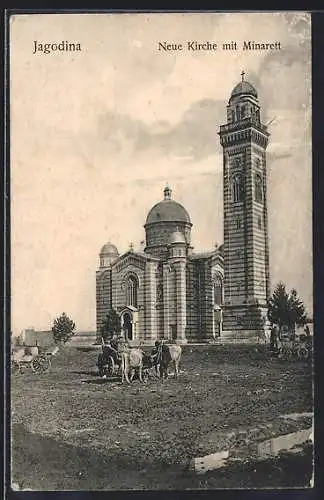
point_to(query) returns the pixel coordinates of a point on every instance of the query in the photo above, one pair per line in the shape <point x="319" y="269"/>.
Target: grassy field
<point x="72" y="430"/>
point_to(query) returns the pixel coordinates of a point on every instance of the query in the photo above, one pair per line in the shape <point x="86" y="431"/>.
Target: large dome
<point x="167" y="210"/>
<point x="244" y="88"/>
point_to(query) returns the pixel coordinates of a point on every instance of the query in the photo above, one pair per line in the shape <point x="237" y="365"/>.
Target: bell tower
<point x="246" y="251"/>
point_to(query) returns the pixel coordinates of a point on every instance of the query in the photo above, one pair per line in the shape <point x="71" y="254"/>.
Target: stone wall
<point x="41" y="338"/>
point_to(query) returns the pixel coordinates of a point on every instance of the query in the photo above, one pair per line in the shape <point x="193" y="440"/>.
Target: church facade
<point x="167" y="291"/>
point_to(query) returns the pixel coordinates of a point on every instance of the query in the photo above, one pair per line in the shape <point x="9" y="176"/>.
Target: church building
<point x="167" y="291"/>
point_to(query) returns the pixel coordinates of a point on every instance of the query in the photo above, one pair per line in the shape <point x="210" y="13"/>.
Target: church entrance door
<point x="217" y="323"/>
<point x="128" y="326"/>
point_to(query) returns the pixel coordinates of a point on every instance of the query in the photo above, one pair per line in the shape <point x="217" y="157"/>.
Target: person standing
<point x="274" y="338"/>
<point x="114" y="342"/>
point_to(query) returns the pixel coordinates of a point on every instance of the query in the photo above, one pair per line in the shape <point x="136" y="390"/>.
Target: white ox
<point x="131" y="360"/>
<point x="166" y="354"/>
<point x="175" y="353"/>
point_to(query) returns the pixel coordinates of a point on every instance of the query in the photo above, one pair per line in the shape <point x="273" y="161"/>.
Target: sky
<point x="96" y="135"/>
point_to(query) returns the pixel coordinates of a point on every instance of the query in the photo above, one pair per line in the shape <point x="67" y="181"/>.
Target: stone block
<point x="272" y="447"/>
<point x="201" y="465"/>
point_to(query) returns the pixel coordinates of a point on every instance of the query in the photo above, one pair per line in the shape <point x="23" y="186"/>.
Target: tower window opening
<point x="258" y="188"/>
<point x="238" y="223"/>
<point x="243" y="111"/>
<point x="238" y="117"/>
<point x="236" y="189"/>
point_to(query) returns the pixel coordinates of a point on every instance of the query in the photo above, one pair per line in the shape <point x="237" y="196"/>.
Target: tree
<point x="63" y="328"/>
<point x="286" y="309"/>
<point x="111" y="324"/>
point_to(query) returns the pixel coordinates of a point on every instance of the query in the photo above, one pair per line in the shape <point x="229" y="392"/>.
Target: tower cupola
<point x="178" y="244"/>
<point x="108" y="255"/>
<point x="243" y="103"/>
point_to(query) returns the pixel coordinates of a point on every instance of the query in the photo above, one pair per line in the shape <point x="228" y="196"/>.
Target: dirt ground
<point x="74" y="431"/>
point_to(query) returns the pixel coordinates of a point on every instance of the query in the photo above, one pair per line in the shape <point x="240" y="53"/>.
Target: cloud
<point x="287" y="71"/>
<point x="192" y="138"/>
<point x="278" y="89"/>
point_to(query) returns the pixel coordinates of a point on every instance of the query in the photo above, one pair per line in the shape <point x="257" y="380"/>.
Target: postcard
<point x="161" y="251"/>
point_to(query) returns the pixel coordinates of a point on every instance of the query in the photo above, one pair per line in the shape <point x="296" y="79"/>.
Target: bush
<point x="63" y="329"/>
<point x="111" y="325"/>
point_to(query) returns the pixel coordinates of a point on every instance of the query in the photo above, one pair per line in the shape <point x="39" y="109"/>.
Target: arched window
<point x="243" y="110"/>
<point x="233" y="116"/>
<point x="218" y="290"/>
<point x="238" y="117"/>
<point x="258" y="195"/>
<point x="236" y="188"/>
<point x="131" y="291"/>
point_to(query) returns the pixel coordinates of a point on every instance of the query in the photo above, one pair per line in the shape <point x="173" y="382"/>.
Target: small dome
<point x="177" y="237"/>
<point x="109" y="250"/>
<point x="167" y="210"/>
<point x="244" y="88"/>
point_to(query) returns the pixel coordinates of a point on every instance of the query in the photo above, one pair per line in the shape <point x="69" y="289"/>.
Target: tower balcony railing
<point x="242" y="124"/>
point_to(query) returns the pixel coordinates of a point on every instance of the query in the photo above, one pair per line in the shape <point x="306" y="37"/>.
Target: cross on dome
<point x="242" y="75"/>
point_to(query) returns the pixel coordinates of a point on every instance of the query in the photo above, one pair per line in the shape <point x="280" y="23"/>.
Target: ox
<point x="131" y="360"/>
<point x="166" y="354"/>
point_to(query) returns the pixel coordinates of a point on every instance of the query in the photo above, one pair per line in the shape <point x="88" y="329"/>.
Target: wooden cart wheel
<point x="40" y="364"/>
<point x="111" y="366"/>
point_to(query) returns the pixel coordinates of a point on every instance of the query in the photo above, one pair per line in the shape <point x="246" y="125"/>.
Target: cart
<point x="31" y="358"/>
<point x="108" y="362"/>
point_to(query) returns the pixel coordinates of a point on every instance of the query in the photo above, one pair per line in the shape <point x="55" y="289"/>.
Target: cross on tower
<point x="242" y="75"/>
